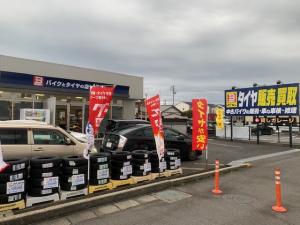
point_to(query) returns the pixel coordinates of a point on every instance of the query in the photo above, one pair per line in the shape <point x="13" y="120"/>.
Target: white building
<point x="62" y="90"/>
<point x="184" y="106"/>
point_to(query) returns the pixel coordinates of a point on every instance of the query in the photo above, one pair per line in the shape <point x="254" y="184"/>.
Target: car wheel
<point x="192" y="155"/>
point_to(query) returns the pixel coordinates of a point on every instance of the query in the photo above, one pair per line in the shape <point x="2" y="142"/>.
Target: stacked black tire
<point x="44" y="176"/>
<point x="100" y="165"/>
<point x="121" y="167"/>
<point x="173" y="159"/>
<point x="140" y="163"/>
<point x="74" y="174"/>
<point x="157" y="167"/>
<point x="13" y="181"/>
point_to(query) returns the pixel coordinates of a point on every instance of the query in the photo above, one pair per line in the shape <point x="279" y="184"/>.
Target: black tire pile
<point x="140" y="163"/>
<point x="13" y="181"/>
<point x="74" y="174"/>
<point x="157" y="167"/>
<point x="173" y="159"/>
<point x="44" y="176"/>
<point x="100" y="165"/>
<point x="121" y="167"/>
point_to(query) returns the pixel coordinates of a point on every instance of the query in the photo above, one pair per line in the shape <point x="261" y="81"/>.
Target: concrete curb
<point x="65" y="208"/>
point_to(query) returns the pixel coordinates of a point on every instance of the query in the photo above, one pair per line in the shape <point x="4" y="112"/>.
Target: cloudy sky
<point x="201" y="47"/>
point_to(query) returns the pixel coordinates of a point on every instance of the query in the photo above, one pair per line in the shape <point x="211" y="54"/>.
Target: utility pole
<point x="173" y="93"/>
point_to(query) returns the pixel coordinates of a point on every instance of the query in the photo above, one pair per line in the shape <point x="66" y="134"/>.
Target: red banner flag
<point x="100" y="98"/>
<point x="200" y="133"/>
<point x="153" y="111"/>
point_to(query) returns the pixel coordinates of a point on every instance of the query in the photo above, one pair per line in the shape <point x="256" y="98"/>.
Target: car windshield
<point x="78" y="136"/>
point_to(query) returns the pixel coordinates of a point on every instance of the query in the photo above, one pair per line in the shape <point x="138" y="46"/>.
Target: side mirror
<point x="68" y="141"/>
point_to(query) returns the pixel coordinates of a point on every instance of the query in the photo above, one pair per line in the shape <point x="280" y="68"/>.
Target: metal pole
<point x="257" y="132"/>
<point x="231" y="128"/>
<point x="277" y="128"/>
<point x="291" y="132"/>
<point x="206" y="158"/>
<point x="249" y="133"/>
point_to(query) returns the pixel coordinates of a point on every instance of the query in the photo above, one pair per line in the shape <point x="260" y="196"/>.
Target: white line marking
<point x="233" y="146"/>
<point x="255" y="158"/>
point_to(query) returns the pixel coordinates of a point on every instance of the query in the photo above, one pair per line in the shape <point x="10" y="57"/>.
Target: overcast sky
<point x="201" y="47"/>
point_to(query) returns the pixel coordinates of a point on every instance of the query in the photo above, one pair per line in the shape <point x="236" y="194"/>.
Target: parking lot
<point x="227" y="151"/>
<point x="247" y="199"/>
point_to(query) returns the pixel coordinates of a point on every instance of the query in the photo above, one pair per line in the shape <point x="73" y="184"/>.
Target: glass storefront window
<point x="5" y="110"/>
<point x="20" y="105"/>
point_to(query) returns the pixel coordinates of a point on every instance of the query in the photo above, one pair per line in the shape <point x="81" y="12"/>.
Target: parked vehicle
<point x="114" y="125"/>
<point x="263" y="129"/>
<point x="26" y="138"/>
<point x="141" y="137"/>
<point x="211" y="128"/>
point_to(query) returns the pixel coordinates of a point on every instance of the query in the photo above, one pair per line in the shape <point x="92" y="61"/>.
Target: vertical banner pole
<point x="231" y="128"/>
<point x="291" y="132"/>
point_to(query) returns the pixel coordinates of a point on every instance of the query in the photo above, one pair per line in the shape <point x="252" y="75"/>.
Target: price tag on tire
<point x="177" y="162"/>
<point x="102" y="174"/>
<point x="147" y="167"/>
<point x="50" y="182"/>
<point x="127" y="170"/>
<point x="15" y="187"/>
<point x="163" y="165"/>
<point x="78" y="179"/>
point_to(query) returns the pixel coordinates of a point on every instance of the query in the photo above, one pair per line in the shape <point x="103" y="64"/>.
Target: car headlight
<point x="122" y="142"/>
<point x="94" y="149"/>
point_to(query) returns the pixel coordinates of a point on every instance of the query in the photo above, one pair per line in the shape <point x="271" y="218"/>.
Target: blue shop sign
<point x="21" y="80"/>
<point x="279" y="100"/>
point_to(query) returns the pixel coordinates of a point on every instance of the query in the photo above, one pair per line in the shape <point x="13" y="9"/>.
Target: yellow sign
<point x="231" y="99"/>
<point x="220" y="118"/>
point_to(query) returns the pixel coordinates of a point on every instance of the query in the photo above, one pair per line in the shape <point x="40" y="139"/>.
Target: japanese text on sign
<point x="200" y="134"/>
<point x="267" y="100"/>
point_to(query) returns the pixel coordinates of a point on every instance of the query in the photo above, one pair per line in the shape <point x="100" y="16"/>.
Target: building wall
<point x="128" y="109"/>
<point x="18" y="65"/>
<point x="183" y="107"/>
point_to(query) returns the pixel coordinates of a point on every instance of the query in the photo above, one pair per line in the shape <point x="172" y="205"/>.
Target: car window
<point x="148" y="133"/>
<point x="48" y="137"/>
<point x="170" y="133"/>
<point x="13" y="136"/>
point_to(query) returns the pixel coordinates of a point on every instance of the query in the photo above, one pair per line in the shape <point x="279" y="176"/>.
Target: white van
<point x="24" y="138"/>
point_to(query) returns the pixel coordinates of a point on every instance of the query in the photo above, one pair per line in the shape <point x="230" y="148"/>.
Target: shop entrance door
<point x="61" y="117"/>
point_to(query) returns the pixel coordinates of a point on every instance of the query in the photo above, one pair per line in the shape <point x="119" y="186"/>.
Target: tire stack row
<point x="140" y="163"/>
<point x="44" y="176"/>
<point x="74" y="173"/>
<point x="100" y="165"/>
<point x="173" y="159"/>
<point x="13" y="181"/>
<point x="121" y="167"/>
<point x="156" y="166"/>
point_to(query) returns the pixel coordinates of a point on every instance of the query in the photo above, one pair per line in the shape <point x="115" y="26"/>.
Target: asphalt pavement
<point x="227" y="151"/>
<point x="247" y="200"/>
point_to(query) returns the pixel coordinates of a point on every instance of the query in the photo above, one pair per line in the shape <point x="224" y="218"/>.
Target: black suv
<point x="141" y="137"/>
<point x="113" y="125"/>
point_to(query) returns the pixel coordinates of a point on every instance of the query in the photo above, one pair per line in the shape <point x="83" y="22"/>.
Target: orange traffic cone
<point x="278" y="207"/>
<point x="217" y="190"/>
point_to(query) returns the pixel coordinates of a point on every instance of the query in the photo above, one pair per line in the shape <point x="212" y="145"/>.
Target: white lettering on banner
<point x="15" y="187"/>
<point x="101" y="108"/>
<point x="102" y="174"/>
<point x="50" y="182"/>
<point x="78" y="179"/>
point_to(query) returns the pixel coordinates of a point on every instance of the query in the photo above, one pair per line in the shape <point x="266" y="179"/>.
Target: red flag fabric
<point x="200" y="133"/>
<point x="100" y="98"/>
<point x="154" y="114"/>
